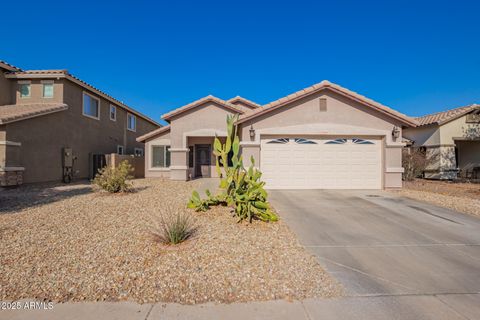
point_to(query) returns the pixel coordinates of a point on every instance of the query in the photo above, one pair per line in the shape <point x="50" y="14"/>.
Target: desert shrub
<point x="175" y="228"/>
<point x="414" y="162"/>
<point x="240" y="188"/>
<point x="115" y="179"/>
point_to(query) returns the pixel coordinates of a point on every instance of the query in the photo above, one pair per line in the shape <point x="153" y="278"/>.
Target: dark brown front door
<point x="203" y="154"/>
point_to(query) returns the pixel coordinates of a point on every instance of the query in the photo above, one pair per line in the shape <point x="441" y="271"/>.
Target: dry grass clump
<point x="174" y="226"/>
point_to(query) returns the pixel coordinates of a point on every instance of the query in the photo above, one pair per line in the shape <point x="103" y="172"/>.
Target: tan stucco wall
<point x="458" y="129"/>
<point x="5" y="89"/>
<point x="43" y="138"/>
<point x="423" y="136"/>
<point x="206" y="120"/>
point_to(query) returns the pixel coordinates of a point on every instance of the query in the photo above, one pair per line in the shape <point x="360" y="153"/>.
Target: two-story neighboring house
<point x="42" y="112"/>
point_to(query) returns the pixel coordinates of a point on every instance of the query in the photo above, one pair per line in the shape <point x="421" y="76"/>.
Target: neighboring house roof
<point x="8" y="66"/>
<point x="247" y="102"/>
<point x="153" y="133"/>
<point x="17" y="112"/>
<point x="32" y="74"/>
<point x="446" y="116"/>
<point x="200" y="102"/>
<point x="335" y="88"/>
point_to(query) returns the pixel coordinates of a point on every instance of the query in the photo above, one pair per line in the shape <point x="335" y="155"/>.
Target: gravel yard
<point x="67" y="243"/>
<point x="462" y="197"/>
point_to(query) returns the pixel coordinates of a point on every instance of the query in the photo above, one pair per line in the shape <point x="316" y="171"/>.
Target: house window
<point x="25" y="89"/>
<point x="131" y="122"/>
<point x="139" y="152"/>
<point x="336" y="141"/>
<point x="47" y="89"/>
<point x="120" y="149"/>
<point x="279" y="141"/>
<point x="91" y="106"/>
<point x="113" y="113"/>
<point x="361" y="141"/>
<point x="160" y="157"/>
<point x="190" y="157"/>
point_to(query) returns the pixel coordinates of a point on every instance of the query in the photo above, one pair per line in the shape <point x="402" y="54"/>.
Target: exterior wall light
<point x="396" y="132"/>
<point x="252" y="132"/>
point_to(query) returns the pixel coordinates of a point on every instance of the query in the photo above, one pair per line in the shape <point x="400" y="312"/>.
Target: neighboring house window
<point x="131" y="122"/>
<point x="139" y="152"/>
<point x="91" y="106"/>
<point x="25" y="89"/>
<point x="47" y="89"/>
<point x="120" y="149"/>
<point x="190" y="157"/>
<point x="160" y="157"/>
<point x="113" y="113"/>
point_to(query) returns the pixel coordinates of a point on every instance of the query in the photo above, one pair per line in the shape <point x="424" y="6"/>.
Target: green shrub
<point x="115" y="179"/>
<point x="240" y="188"/>
<point x="175" y="229"/>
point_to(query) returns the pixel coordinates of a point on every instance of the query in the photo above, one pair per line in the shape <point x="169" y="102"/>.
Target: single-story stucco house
<point x="321" y="137"/>
<point x="451" y="140"/>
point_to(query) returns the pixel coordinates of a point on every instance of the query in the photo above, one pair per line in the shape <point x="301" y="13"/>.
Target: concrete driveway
<point x="386" y="248"/>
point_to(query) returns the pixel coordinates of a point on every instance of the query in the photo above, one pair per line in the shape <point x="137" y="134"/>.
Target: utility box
<point x="67" y="157"/>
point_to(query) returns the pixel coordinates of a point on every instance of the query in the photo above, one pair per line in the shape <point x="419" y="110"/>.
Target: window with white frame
<point x="160" y="157"/>
<point x="120" y="149"/>
<point x="91" y="106"/>
<point x="25" y="89"/>
<point x="138" y="152"/>
<point x="113" y="113"/>
<point x="47" y="89"/>
<point x="131" y="122"/>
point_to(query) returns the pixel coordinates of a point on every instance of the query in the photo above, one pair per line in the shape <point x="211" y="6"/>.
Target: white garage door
<point x="321" y="163"/>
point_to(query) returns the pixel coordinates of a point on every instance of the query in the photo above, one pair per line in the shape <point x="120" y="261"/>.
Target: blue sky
<point x="415" y="56"/>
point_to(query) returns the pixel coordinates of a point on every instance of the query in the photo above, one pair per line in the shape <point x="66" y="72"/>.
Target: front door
<point x="203" y="155"/>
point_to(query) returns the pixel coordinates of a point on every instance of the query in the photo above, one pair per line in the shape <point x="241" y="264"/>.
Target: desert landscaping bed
<point x="462" y="197"/>
<point x="67" y="243"/>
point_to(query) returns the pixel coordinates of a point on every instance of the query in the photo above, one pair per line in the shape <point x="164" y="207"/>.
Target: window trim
<point x="142" y="153"/>
<point x="110" y="112"/>
<point x="83" y="105"/>
<point x="22" y="82"/>
<point x="44" y="82"/>
<point x="118" y="148"/>
<point x="150" y="162"/>
<point x="134" y="117"/>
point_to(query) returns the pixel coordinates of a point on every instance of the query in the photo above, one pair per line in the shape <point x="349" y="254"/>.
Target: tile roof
<point x="445" y="116"/>
<point x="17" y="112"/>
<point x="201" y="101"/>
<point x="7" y="66"/>
<point x="333" y="87"/>
<point x="153" y="133"/>
<point x="64" y="73"/>
<point x="249" y="103"/>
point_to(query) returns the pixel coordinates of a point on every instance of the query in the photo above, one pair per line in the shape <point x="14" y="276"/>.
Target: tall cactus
<point x="241" y="188"/>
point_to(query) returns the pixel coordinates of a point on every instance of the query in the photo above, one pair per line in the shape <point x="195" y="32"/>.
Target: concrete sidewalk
<point x="372" y="308"/>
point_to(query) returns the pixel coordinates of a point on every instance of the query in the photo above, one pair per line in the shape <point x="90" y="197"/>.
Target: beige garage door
<point x="321" y="163"/>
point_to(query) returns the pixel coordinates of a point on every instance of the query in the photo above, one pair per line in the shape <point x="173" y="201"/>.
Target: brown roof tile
<point x="201" y="101"/>
<point x="249" y="103"/>
<point x="153" y="133"/>
<point x="8" y="66"/>
<point x="17" y="112"/>
<point x="445" y="116"/>
<point x="333" y="87"/>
